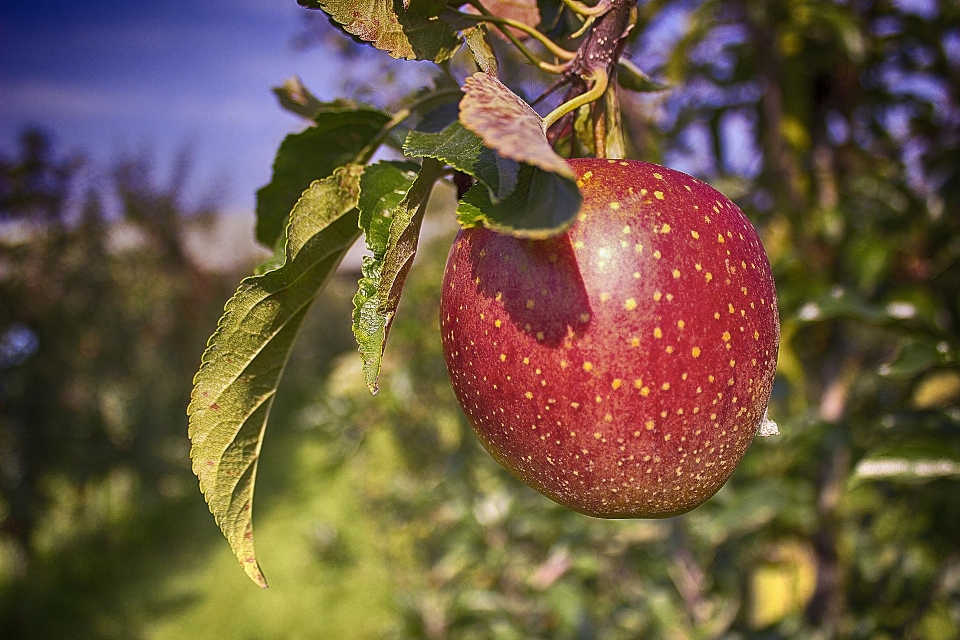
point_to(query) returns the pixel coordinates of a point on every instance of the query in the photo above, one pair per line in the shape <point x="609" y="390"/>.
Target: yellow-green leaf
<point x="241" y="368"/>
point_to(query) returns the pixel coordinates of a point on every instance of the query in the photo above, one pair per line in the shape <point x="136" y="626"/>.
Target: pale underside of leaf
<point x="508" y="124"/>
<point x="476" y="39"/>
<point x="245" y="358"/>
<point x="391" y="28"/>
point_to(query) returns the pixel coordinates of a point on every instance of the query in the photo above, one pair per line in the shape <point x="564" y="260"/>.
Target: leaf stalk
<point x="600" y="80"/>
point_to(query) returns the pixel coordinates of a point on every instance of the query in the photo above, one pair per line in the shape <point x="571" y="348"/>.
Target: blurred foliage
<point x="835" y="125"/>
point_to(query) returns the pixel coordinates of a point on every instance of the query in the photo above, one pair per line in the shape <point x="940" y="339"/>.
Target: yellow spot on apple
<point x="681" y="324"/>
<point x="665" y="386"/>
<point x="528" y="395"/>
<point x="708" y="277"/>
<point x="657" y="254"/>
<point x="563" y="364"/>
<point x="587" y="366"/>
<point x="676" y="273"/>
<point x="657" y="333"/>
<point x="665" y="228"/>
<point x="656" y="296"/>
<point x="726" y="336"/>
<point x="645" y="391"/>
<point x="696" y="352"/>
<point x="720" y="238"/>
<point x="614" y="205"/>
<point x="649" y="425"/>
<point x="626" y="230"/>
<point x="658" y="195"/>
<point x="604" y="296"/>
<point x="503" y="357"/>
<point x="630" y="304"/>
<point x="696" y="236"/>
<point x="497" y="323"/>
<point x="658" y="176"/>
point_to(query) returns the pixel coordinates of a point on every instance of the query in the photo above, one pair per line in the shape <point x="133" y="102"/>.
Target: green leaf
<point x="508" y="125"/>
<point x="916" y="355"/>
<point x="339" y="133"/>
<point x="391" y="28"/>
<point x="241" y="368"/>
<point x="463" y="150"/>
<point x="426" y="8"/>
<point x="630" y="77"/>
<point x="543" y="204"/>
<point x="391" y="204"/>
<point x="914" y="463"/>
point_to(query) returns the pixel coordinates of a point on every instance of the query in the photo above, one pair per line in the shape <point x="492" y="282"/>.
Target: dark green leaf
<point x="543" y="204"/>
<point x="241" y="368"/>
<point x="425" y="8"/>
<point x="391" y="28"/>
<point x="339" y="133"/>
<point x="462" y="150"/>
<point x="392" y="204"/>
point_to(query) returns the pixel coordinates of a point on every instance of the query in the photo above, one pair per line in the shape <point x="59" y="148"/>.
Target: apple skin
<point x="622" y="368"/>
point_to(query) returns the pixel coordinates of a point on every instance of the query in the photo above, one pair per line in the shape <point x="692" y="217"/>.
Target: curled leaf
<point x="392" y="204"/>
<point x="508" y="125"/>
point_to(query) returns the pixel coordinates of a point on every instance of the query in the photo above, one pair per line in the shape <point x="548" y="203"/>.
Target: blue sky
<point x="118" y="75"/>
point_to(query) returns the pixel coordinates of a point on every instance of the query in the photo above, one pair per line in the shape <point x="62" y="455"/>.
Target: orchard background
<point x="834" y="125"/>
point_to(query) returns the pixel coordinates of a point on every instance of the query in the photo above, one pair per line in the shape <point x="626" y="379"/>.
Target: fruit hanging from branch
<point x="622" y="368"/>
<point x="610" y="326"/>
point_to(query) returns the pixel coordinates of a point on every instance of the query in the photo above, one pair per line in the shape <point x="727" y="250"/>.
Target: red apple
<point x="622" y="368"/>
